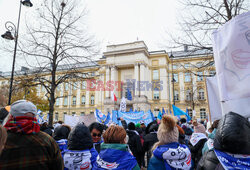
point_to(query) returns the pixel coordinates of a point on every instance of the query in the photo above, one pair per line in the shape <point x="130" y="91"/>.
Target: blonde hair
<point x="167" y="131"/>
<point x="115" y="134"/>
<point x="3" y="137"/>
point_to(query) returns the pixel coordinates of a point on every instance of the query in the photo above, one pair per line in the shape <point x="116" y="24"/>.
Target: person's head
<point x="61" y="132"/>
<point x="199" y="128"/>
<point x="168" y="131"/>
<point x="143" y="125"/>
<point x="215" y="124"/>
<point x="23" y="108"/>
<point x="183" y="120"/>
<point x="131" y="126"/>
<point x="115" y="134"/>
<point x="96" y="130"/>
<point x="80" y="138"/>
<point x="3" y="138"/>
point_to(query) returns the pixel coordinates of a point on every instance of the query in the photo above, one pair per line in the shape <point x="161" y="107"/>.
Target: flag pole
<point x="209" y="113"/>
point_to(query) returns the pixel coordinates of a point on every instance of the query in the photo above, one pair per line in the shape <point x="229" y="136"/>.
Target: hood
<point x="233" y="134"/>
<point x="80" y="138"/>
<point x="115" y="156"/>
<point x="61" y="132"/>
<point x="175" y="155"/>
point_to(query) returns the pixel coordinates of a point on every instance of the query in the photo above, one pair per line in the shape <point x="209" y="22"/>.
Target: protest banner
<point x="231" y="47"/>
<point x="214" y="103"/>
<point x="74" y="120"/>
<point x="132" y="116"/>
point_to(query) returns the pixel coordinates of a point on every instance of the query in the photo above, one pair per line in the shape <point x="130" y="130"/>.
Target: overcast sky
<point x="111" y="21"/>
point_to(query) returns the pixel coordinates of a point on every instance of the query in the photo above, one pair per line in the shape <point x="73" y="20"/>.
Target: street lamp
<point x="8" y="35"/>
<point x="173" y="80"/>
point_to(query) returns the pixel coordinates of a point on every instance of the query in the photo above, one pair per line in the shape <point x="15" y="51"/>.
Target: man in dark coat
<point x="150" y="139"/>
<point x="134" y="141"/>
<point x="26" y="146"/>
<point x="232" y="136"/>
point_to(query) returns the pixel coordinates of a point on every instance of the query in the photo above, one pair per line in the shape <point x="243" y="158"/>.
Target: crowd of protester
<point x="168" y="144"/>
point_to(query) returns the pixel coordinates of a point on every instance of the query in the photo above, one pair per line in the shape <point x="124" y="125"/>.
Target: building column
<point x="142" y="78"/>
<point x="114" y="78"/>
<point x="136" y="74"/>
<point x="107" y="80"/>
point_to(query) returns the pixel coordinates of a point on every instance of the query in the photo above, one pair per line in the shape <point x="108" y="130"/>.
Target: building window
<point x="201" y="94"/>
<point x="92" y="74"/>
<point x="188" y="95"/>
<point x="91" y="112"/>
<point x="66" y="86"/>
<point x="83" y="99"/>
<point x="58" y="88"/>
<point x="65" y="101"/>
<point x="187" y="65"/>
<point x="175" y="75"/>
<point x="175" y="66"/>
<point x="84" y="83"/>
<point x="74" y="100"/>
<point x="203" y="114"/>
<point x="155" y="74"/>
<point x="187" y="77"/>
<point x="82" y="113"/>
<point x="57" y="101"/>
<point x="92" y="100"/>
<point x="190" y="113"/>
<point x="64" y="114"/>
<point x="200" y="76"/>
<point x="176" y="95"/>
<point x="75" y="86"/>
<point x="56" y="117"/>
<point x="156" y="94"/>
<point x="73" y="113"/>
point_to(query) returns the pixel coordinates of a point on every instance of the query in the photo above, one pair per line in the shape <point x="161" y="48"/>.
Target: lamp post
<point x="8" y="35"/>
<point x="173" y="80"/>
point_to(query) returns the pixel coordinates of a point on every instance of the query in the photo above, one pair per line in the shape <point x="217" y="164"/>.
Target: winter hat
<point x="168" y="131"/>
<point x="200" y="129"/>
<point x="131" y="126"/>
<point x="21" y="107"/>
<point x="137" y="125"/>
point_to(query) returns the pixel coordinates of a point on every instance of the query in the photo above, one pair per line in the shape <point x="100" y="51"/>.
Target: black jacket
<point x="196" y="151"/>
<point x="233" y="134"/>
<point x="80" y="138"/>
<point x="208" y="161"/>
<point x="61" y="132"/>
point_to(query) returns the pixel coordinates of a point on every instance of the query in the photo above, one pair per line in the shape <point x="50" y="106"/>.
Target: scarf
<point x="196" y="137"/>
<point x="175" y="156"/>
<point x="115" y="158"/>
<point x="23" y="125"/>
<point x="233" y="161"/>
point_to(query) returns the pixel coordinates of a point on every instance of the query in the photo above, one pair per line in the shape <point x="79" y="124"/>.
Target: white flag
<point x="213" y="98"/>
<point x="231" y="46"/>
<point x="123" y="105"/>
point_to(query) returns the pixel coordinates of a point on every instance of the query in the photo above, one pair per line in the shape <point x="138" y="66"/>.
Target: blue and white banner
<point x="102" y="118"/>
<point x="123" y="105"/>
<point x="135" y="117"/>
<point x="230" y="161"/>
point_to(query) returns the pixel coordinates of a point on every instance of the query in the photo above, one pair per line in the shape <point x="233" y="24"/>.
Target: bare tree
<point x="55" y="44"/>
<point x="200" y="18"/>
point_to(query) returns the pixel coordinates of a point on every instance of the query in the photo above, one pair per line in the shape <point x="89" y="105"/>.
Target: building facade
<point x="155" y="79"/>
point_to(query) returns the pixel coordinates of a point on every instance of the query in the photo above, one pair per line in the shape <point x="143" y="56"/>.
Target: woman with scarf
<point x="96" y="130"/>
<point x="114" y="152"/>
<point x="80" y="153"/>
<point x="197" y="142"/>
<point x="168" y="153"/>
